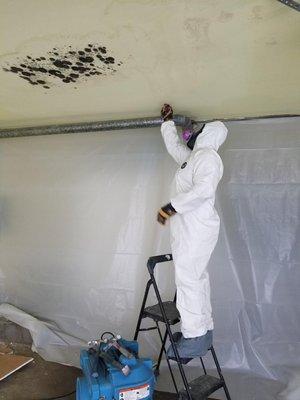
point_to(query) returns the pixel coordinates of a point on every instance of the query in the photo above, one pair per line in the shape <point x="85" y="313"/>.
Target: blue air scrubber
<point x="113" y="370"/>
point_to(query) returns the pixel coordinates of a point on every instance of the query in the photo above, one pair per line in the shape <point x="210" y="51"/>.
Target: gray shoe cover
<point x="191" y="348"/>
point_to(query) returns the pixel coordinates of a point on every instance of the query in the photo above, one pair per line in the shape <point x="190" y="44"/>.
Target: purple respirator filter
<point x="186" y="135"/>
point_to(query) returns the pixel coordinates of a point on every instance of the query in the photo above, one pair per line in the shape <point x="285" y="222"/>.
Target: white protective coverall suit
<point x="195" y="227"/>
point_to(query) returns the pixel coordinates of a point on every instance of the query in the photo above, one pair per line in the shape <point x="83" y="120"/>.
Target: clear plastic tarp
<point x="78" y="222"/>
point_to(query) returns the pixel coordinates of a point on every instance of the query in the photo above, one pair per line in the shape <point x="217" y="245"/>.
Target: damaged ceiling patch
<point x="67" y="66"/>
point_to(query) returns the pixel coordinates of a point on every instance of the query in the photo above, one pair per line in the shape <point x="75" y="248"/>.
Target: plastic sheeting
<point x="77" y="224"/>
<point x="48" y="340"/>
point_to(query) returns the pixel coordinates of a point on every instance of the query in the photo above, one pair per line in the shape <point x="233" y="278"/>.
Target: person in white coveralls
<point x="194" y="225"/>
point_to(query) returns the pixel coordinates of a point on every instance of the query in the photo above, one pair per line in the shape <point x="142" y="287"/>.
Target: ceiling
<point x="81" y="60"/>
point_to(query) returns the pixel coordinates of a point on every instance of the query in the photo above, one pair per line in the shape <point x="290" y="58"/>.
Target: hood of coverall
<point x="213" y="136"/>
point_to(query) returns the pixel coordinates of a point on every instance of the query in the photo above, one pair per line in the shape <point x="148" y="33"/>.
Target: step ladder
<point x="166" y="312"/>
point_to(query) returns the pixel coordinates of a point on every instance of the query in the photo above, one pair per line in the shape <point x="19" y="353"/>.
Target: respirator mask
<point x="189" y="136"/>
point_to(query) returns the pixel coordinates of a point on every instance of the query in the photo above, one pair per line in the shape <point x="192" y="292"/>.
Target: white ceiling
<point x="209" y="58"/>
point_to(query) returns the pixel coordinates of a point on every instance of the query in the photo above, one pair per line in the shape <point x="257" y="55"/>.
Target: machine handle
<point x="152" y="261"/>
<point x="110" y="360"/>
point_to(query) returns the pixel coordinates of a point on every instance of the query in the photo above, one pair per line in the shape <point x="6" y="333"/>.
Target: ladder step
<point x="202" y="387"/>
<point x="171" y="311"/>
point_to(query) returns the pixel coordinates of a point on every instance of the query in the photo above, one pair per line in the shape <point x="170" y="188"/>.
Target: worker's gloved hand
<point x="166" y="112"/>
<point x="165" y="212"/>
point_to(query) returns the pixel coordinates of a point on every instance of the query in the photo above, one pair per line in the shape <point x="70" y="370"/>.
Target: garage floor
<point x="38" y="380"/>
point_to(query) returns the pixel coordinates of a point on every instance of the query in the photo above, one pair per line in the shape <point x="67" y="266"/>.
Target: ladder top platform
<point x="154" y="312"/>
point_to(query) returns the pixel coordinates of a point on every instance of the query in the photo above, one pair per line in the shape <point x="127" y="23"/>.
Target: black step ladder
<point x="167" y="313"/>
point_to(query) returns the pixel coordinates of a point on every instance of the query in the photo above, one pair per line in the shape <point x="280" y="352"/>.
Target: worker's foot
<point x="177" y="336"/>
<point x="190" y="348"/>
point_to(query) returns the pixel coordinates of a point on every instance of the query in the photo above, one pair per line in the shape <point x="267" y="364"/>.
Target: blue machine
<point x="113" y="370"/>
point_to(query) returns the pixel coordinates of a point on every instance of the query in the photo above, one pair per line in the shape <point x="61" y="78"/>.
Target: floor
<point x="39" y="380"/>
<point x="43" y="380"/>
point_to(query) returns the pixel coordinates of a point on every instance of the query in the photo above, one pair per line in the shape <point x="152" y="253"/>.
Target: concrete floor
<point x="38" y="380"/>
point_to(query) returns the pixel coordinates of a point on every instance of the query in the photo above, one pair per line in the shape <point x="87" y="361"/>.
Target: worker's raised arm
<point x="175" y="147"/>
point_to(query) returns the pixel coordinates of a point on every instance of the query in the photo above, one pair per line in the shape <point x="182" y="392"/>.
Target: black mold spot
<point x="109" y="60"/>
<point x="100" y="57"/>
<point x="86" y="59"/>
<point x="62" y="64"/>
<point x="27" y="73"/>
<point x="16" y="69"/>
<point x="80" y="69"/>
<point x="68" y="66"/>
<point x="55" y="72"/>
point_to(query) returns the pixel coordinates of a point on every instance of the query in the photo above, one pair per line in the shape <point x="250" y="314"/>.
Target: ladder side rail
<point x="151" y="265"/>
<point x="203" y="366"/>
<point x="168" y="361"/>
<point x="164" y="341"/>
<point x="162" y="351"/>
<point x="220" y="373"/>
<point x="149" y="283"/>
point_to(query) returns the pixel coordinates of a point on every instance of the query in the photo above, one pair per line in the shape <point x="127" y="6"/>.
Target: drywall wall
<point x="209" y="58"/>
<point x="78" y="222"/>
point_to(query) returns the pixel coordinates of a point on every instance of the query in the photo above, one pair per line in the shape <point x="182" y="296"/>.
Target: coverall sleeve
<point x="206" y="176"/>
<point x="176" y="149"/>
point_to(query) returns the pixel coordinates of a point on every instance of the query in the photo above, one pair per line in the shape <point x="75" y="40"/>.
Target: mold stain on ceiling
<point x="209" y="59"/>
<point x="65" y="66"/>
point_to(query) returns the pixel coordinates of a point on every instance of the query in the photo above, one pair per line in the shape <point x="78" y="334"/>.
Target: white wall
<point x="77" y="224"/>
